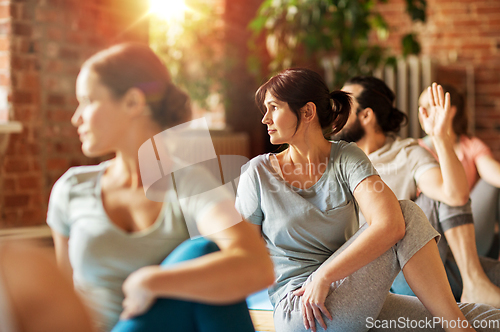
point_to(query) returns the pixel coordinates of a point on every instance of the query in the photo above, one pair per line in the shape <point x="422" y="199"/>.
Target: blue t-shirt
<point x="303" y="227"/>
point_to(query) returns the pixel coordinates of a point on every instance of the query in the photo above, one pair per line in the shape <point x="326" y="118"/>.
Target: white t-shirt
<point x="400" y="163"/>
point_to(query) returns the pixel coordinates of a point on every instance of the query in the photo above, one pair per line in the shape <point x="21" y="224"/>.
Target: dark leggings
<point x="184" y="316"/>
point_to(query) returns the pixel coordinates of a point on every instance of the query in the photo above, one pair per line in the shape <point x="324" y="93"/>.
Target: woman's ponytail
<point x="174" y="108"/>
<point x="341" y="108"/>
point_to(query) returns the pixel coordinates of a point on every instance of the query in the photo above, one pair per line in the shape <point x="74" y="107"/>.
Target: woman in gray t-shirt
<point x="305" y="203"/>
<point x="112" y="225"/>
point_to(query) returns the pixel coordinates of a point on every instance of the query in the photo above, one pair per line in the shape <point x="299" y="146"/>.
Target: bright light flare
<point x="168" y="9"/>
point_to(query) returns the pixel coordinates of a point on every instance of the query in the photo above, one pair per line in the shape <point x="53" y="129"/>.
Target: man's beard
<point x="353" y="133"/>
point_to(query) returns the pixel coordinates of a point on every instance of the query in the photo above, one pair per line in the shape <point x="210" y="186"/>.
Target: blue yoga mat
<point x="259" y="301"/>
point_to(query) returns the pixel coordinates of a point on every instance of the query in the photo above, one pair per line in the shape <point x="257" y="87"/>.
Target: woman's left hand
<point x="138" y="297"/>
<point x="313" y="298"/>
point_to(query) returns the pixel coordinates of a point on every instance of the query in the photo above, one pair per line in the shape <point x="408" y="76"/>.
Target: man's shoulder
<point x="416" y="152"/>
<point x="402" y="151"/>
<point x="395" y="146"/>
<point x="409" y="147"/>
<point x="405" y="143"/>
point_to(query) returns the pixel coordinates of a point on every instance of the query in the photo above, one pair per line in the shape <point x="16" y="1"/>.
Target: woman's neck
<point x="311" y="151"/>
<point x="124" y="169"/>
<point x="303" y="164"/>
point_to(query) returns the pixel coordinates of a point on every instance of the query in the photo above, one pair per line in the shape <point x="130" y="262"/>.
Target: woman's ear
<point x="135" y="102"/>
<point x="308" y="111"/>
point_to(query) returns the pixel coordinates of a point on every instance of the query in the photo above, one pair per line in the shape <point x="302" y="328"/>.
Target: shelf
<point x="10" y="127"/>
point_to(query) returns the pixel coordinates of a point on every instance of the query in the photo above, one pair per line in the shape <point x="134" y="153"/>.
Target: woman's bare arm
<point x="489" y="170"/>
<point x="382" y="212"/>
<point x="62" y="257"/>
<point x="42" y="298"/>
<point x="241" y="267"/>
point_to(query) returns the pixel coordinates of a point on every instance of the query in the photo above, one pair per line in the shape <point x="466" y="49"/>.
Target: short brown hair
<point x="134" y="65"/>
<point x="460" y="121"/>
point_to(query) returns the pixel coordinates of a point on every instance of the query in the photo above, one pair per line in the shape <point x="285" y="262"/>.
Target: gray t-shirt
<point x="400" y="163"/>
<point x="302" y="228"/>
<point x="103" y="255"/>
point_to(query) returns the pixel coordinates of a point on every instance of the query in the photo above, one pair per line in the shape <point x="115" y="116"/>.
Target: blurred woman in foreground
<point x="112" y="238"/>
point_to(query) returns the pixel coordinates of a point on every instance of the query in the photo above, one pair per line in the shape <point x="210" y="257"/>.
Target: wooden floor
<point x="262" y="320"/>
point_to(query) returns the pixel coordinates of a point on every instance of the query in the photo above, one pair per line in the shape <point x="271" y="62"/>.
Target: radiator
<point x="408" y="79"/>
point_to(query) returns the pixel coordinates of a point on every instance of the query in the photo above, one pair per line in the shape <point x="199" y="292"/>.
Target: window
<point x="189" y="39"/>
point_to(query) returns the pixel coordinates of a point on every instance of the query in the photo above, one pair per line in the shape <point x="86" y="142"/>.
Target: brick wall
<point x="4" y="57"/>
<point x="241" y="112"/>
<point x="460" y="33"/>
<point x="42" y="45"/>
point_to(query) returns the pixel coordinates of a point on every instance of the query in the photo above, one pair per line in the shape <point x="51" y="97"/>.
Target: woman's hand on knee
<point x="313" y="296"/>
<point x="138" y="295"/>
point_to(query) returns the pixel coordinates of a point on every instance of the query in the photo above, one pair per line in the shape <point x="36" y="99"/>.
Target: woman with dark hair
<point x="111" y="238"/>
<point x="481" y="169"/>
<point x="305" y="202"/>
